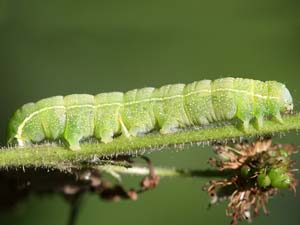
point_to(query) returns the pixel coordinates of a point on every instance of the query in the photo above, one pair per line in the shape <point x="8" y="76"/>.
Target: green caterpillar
<point x="140" y="111"/>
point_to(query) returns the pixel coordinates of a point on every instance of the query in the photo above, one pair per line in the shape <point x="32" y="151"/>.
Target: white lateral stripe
<point x="18" y="136"/>
<point x="22" y="125"/>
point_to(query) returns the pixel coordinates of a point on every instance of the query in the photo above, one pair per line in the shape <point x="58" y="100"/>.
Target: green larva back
<point x="139" y="111"/>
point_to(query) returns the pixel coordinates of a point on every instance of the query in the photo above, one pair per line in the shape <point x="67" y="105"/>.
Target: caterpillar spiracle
<point x="140" y="111"/>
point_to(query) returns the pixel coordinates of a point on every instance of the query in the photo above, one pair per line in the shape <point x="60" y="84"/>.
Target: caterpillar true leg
<point x="278" y="117"/>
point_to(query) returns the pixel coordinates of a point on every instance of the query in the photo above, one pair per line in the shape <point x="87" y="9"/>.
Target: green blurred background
<point x="62" y="47"/>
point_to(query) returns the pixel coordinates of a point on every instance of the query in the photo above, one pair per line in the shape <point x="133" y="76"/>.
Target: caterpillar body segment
<point x="107" y="114"/>
<point x="138" y="112"/>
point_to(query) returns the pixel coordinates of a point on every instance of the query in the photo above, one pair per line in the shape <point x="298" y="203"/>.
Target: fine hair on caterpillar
<point x="140" y="111"/>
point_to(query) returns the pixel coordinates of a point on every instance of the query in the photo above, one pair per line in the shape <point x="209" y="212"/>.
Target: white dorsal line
<point x="18" y="136"/>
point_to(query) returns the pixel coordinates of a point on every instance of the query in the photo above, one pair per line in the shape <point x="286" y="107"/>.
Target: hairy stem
<point x="58" y="156"/>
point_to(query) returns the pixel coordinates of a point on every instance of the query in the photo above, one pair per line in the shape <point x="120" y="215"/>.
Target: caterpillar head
<point x="286" y="101"/>
<point x="279" y="98"/>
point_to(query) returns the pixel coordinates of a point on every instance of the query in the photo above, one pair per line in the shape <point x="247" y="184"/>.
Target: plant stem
<point x="162" y="172"/>
<point x="58" y="156"/>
